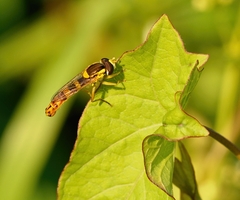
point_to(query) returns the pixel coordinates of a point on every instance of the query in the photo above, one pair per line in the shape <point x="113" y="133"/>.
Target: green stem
<point x="235" y="150"/>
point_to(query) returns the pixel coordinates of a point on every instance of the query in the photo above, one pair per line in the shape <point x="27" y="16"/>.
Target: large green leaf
<point x="107" y="161"/>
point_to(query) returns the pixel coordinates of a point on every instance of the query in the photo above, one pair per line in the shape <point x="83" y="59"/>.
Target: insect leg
<point x="112" y="75"/>
<point x="92" y="95"/>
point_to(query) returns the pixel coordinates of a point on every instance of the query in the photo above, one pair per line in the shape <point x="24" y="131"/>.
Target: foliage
<point x="107" y="160"/>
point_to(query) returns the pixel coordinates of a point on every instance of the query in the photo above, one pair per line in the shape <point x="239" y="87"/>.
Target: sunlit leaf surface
<point x="107" y="161"/>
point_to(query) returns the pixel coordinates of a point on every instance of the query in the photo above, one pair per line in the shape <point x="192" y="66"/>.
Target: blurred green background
<point x="44" y="43"/>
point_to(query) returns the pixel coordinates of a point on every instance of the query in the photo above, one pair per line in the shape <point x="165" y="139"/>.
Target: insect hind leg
<point x="92" y="95"/>
<point x="103" y="101"/>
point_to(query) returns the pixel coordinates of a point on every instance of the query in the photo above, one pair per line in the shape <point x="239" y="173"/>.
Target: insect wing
<point x="70" y="88"/>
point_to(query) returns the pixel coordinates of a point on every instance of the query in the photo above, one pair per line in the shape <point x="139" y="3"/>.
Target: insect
<point x="93" y="76"/>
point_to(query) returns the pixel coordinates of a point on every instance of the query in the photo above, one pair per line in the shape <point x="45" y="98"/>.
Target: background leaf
<point x="184" y="175"/>
<point x="159" y="161"/>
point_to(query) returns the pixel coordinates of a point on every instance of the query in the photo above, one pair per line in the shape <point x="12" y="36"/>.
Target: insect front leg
<point x="111" y="83"/>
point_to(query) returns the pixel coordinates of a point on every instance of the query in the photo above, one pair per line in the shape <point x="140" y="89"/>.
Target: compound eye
<point x="108" y="65"/>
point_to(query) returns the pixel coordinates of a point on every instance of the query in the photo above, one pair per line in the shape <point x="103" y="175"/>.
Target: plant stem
<point x="235" y="150"/>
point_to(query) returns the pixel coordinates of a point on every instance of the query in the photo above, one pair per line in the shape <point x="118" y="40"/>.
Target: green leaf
<point x="159" y="159"/>
<point x="184" y="176"/>
<point x="107" y="161"/>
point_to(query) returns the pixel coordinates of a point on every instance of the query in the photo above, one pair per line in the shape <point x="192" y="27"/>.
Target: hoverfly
<point x="93" y="76"/>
